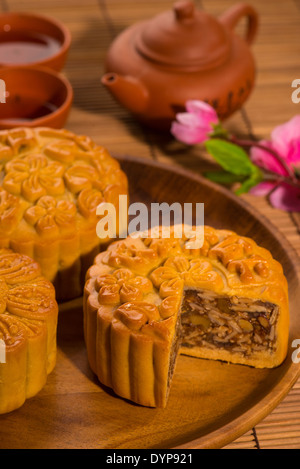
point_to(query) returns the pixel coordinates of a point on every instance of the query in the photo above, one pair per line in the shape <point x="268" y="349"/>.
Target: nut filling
<point x="238" y="325"/>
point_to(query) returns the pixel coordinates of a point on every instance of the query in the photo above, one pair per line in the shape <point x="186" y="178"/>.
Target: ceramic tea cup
<point x="33" y="39"/>
<point x="34" y="97"/>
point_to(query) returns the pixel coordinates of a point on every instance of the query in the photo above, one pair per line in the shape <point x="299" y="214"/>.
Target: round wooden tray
<point x="211" y="403"/>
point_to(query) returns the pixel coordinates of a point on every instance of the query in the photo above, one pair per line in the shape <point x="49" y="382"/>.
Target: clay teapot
<point x="155" y="66"/>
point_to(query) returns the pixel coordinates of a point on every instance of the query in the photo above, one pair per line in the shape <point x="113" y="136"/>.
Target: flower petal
<point x="206" y="113"/>
<point x="293" y="157"/>
<point x="286" y="198"/>
<point x="189" y="120"/>
<point x="189" y="135"/>
<point x="286" y="139"/>
<point x="262" y="189"/>
<point x="284" y="135"/>
<point x="265" y="159"/>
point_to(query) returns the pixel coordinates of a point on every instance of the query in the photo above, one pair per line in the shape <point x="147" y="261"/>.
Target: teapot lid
<point x="185" y="38"/>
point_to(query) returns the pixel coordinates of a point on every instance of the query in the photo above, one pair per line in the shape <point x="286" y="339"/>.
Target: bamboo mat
<point x="93" y="24"/>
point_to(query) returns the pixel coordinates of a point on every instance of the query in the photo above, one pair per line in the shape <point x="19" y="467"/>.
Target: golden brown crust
<point x="52" y="183"/>
<point x="28" y="322"/>
<point x="134" y="291"/>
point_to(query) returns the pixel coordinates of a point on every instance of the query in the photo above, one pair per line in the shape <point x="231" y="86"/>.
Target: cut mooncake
<point x="148" y="300"/>
<point x="28" y="324"/>
<point x="52" y="182"/>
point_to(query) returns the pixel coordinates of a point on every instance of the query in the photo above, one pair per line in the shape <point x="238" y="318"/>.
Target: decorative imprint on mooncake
<point x="49" y="215"/>
<point x="135" y="315"/>
<point x="122" y="287"/>
<point x="9" y="210"/>
<point x="249" y="269"/>
<point x="24" y="295"/>
<point x="230" y="249"/>
<point x="80" y="177"/>
<point x="88" y="201"/>
<point x="16" y="141"/>
<point x="196" y="272"/>
<point x="34" y="177"/>
<point x="17" y="269"/>
<point x="128" y="255"/>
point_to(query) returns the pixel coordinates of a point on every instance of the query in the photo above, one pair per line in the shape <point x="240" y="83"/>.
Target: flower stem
<point x="281" y="161"/>
<point x="274" y="177"/>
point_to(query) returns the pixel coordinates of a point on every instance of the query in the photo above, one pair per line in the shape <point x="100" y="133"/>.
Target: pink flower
<point x="285" y="140"/>
<point x="195" y="125"/>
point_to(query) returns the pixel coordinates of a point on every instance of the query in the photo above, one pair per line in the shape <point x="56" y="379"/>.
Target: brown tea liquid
<point x="23" y="48"/>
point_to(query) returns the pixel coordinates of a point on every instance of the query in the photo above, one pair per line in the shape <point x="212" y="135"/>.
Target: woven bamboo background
<point x="93" y="24"/>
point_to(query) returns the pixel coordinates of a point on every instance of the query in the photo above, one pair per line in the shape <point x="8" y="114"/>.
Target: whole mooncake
<point x="52" y="182"/>
<point x="147" y="300"/>
<point x="28" y="324"/>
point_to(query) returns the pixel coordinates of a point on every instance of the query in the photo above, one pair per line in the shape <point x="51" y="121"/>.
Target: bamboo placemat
<point x="93" y="25"/>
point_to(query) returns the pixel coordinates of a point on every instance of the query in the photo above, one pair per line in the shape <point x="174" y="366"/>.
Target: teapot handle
<point x="232" y="16"/>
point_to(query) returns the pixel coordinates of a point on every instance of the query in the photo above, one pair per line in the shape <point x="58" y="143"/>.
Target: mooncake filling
<point x="238" y="325"/>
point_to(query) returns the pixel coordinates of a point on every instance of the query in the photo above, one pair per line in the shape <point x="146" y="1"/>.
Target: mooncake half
<point x="148" y="300"/>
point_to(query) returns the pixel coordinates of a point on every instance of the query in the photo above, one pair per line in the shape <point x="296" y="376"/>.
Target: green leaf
<point x="231" y="157"/>
<point x="223" y="177"/>
<point x="256" y="177"/>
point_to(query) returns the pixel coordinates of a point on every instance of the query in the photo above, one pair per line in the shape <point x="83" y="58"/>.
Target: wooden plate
<point x="211" y="403"/>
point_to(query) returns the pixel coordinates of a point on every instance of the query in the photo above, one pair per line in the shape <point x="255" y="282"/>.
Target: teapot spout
<point x="129" y="91"/>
